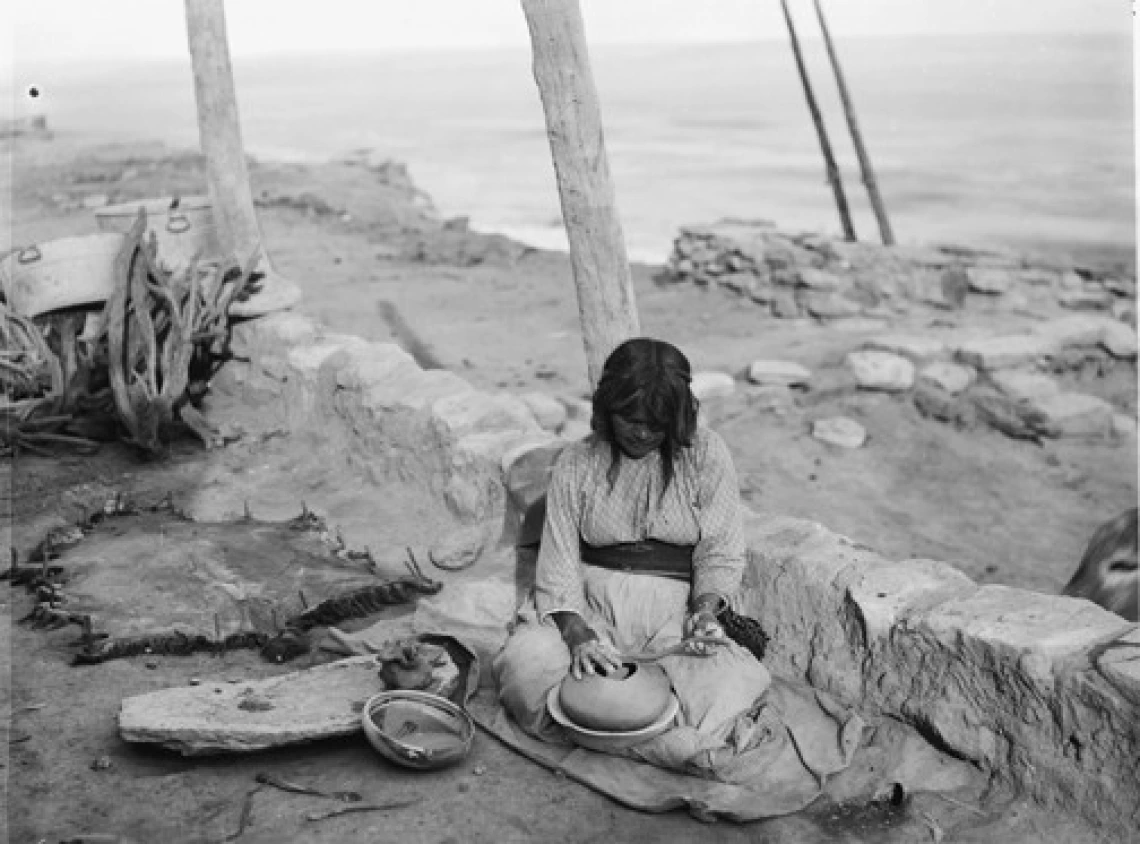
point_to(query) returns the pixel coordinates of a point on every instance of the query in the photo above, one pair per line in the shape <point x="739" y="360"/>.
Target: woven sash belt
<point x="664" y="559"/>
<point x="650" y="556"/>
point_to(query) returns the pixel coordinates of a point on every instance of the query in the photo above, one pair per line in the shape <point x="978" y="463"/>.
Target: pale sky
<point x="105" y="30"/>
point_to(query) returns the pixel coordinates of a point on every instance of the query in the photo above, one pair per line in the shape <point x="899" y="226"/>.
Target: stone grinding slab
<point x="220" y="717"/>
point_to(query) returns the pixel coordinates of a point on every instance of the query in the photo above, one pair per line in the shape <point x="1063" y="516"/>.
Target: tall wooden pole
<point x="219" y="129"/>
<point x="856" y="136"/>
<point x="824" y="144"/>
<point x="574" y="127"/>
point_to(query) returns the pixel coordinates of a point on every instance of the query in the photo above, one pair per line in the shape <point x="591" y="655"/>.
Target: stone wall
<point x="1044" y="691"/>
<point x="809" y="275"/>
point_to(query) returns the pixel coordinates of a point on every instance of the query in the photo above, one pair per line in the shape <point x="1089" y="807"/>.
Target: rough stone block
<point x="934" y="402"/>
<point x="1075" y="330"/>
<point x="821" y="280"/>
<point x="951" y="378"/>
<point x="548" y="411"/>
<point x="781" y="372"/>
<point x="412" y="389"/>
<point x="457" y="414"/>
<point x="307" y="359"/>
<point x="881" y="371"/>
<point x="914" y="347"/>
<point x="712" y="385"/>
<point x="1119" y="339"/>
<point x="1001" y="352"/>
<point x="1076" y="414"/>
<point x="1119" y="663"/>
<point x="1019" y="385"/>
<point x="1027" y="632"/>
<point x="885" y="596"/>
<point x="829" y="305"/>
<point x="373" y="364"/>
<point x="526" y="469"/>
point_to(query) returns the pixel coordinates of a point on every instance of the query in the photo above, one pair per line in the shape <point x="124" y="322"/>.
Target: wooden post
<point x="574" y="127"/>
<point x="824" y="144"/>
<point x="219" y="129"/>
<point x="856" y="136"/>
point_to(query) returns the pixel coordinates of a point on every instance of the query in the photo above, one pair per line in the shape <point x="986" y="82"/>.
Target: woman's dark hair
<point x="649" y="379"/>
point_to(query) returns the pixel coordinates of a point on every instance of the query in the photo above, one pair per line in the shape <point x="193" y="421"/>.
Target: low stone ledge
<point x="1042" y="690"/>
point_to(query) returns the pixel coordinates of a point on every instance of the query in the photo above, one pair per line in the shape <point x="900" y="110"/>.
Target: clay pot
<point x="628" y="699"/>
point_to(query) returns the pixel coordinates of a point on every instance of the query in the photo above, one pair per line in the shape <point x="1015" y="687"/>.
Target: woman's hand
<point x="588" y="653"/>
<point x="593" y="656"/>
<point x="703" y="624"/>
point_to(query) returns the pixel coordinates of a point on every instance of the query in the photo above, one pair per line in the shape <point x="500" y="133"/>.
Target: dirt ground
<point x="1004" y="511"/>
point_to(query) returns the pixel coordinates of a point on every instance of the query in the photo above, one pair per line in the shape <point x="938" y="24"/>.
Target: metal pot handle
<point x="177" y="223"/>
<point x="29" y="254"/>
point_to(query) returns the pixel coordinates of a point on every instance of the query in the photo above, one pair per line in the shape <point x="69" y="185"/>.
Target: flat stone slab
<point x="221" y="717"/>
<point x="840" y="431"/>
<point x="881" y="371"/>
<point x="778" y="372"/>
<point x="1001" y="352"/>
<point x="915" y="347"/>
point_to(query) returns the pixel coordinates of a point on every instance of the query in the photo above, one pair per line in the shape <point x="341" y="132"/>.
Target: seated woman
<point x="641" y="548"/>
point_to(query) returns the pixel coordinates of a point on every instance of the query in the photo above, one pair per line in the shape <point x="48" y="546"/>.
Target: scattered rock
<point x="915" y="347"/>
<point x="936" y="403"/>
<point x="1082" y="300"/>
<point x="784" y="305"/>
<point x="1119" y="339"/>
<point x="829" y="305"/>
<point x="990" y="280"/>
<point x="999" y="352"/>
<point x="820" y="280"/>
<point x="1017" y="419"/>
<point x="1124" y="425"/>
<point x="549" y="411"/>
<point x="778" y="372"/>
<point x="952" y="378"/>
<point x="712" y="385"/>
<point x="881" y="371"/>
<point x="839" y="431"/>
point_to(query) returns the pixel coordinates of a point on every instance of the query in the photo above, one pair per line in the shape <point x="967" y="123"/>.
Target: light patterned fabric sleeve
<point x="559" y="578"/>
<point x="718" y="559"/>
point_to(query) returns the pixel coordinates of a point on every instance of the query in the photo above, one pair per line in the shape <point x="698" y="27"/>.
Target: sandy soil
<point x="1004" y="511"/>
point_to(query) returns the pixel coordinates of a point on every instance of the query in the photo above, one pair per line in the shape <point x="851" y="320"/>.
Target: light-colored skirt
<point x="720" y="696"/>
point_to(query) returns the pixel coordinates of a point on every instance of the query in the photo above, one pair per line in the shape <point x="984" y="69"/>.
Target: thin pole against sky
<point x="574" y="128"/>
<point x="824" y="144"/>
<point x="856" y="136"/>
<point x="219" y="129"/>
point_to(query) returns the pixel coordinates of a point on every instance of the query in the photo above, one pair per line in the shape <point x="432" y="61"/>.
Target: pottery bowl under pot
<point x="417" y="729"/>
<point x="609" y="741"/>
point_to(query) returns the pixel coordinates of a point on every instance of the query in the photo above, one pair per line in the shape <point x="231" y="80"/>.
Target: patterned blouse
<point x="701" y="508"/>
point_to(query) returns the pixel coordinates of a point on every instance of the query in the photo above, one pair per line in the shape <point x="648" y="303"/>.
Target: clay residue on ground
<point x="374" y="260"/>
